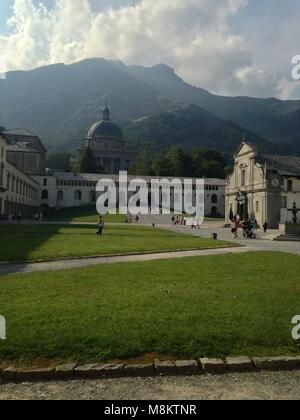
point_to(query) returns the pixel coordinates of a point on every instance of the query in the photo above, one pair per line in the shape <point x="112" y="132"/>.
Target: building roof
<point x="21" y="146"/>
<point x="19" y="132"/>
<point x="69" y="176"/>
<point x="105" y="129"/>
<point x="284" y="165"/>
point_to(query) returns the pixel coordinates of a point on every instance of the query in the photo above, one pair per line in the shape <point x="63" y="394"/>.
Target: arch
<point x="92" y="198"/>
<point x="214" y="211"/>
<point x="45" y="210"/>
<point x="45" y="195"/>
<point x="77" y="195"/>
<point x="60" y="195"/>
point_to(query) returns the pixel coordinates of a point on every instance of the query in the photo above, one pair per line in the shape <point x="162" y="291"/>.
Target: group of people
<point x="11" y="217"/>
<point x="249" y="227"/>
<point x="131" y="219"/>
<point x="179" y="221"/>
<point x="185" y="221"/>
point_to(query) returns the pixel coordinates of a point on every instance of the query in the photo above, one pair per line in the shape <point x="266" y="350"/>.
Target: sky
<point x="230" y="47"/>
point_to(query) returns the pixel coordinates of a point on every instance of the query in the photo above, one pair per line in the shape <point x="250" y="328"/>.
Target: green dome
<point x="105" y="130"/>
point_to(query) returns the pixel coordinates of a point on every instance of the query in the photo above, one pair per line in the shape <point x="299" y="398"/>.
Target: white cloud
<point x="193" y="36"/>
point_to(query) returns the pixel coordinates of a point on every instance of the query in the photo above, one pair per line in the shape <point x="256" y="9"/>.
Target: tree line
<point x="199" y="162"/>
<point x="175" y="162"/>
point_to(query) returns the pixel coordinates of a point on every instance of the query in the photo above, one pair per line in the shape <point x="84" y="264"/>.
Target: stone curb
<point x="203" y="366"/>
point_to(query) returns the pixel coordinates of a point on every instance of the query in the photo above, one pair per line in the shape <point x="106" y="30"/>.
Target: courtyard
<point x="35" y="242"/>
<point x="186" y="308"/>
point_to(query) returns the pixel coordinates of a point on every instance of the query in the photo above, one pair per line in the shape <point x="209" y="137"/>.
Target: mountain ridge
<point x="59" y="102"/>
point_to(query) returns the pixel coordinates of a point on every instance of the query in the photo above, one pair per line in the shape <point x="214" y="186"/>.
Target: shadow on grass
<point x="19" y="241"/>
<point x="85" y="214"/>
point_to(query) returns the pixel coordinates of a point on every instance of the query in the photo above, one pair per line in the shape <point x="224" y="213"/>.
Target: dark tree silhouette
<point x="88" y="163"/>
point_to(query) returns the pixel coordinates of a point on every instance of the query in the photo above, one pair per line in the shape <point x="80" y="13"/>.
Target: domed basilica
<point x="109" y="148"/>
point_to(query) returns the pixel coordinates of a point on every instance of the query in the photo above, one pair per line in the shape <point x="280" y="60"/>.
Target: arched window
<point x="214" y="199"/>
<point x="45" y="195"/>
<point x="60" y="195"/>
<point x="77" y="195"/>
<point x="93" y="197"/>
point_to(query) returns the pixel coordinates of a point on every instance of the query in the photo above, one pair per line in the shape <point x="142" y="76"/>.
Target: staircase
<point x="287" y="238"/>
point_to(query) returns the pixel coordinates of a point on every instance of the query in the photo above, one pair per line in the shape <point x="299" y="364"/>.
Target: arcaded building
<point x="109" y="148"/>
<point x="19" y="192"/>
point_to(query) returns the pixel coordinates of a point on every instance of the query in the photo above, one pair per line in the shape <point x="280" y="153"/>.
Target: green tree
<point x="59" y="161"/>
<point x="208" y="163"/>
<point x="180" y="163"/>
<point x="161" y="166"/>
<point x="88" y="163"/>
<point x="143" y="164"/>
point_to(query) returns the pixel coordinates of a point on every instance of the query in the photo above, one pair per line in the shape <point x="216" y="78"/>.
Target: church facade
<point x="105" y="140"/>
<point x="263" y="187"/>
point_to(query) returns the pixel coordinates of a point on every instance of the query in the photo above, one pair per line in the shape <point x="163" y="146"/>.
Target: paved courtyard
<point x="87" y="262"/>
<point x="254" y="386"/>
<point x="263" y="243"/>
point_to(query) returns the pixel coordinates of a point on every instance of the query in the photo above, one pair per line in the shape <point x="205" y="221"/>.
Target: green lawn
<point x="44" y="242"/>
<point x="86" y="214"/>
<point x="208" y="306"/>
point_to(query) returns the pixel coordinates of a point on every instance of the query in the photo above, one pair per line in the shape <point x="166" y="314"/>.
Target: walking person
<point x="233" y="228"/>
<point x="265" y="226"/>
<point x="100" y="226"/>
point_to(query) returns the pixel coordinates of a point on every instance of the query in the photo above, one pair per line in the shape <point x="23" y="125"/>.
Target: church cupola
<point x="106" y="113"/>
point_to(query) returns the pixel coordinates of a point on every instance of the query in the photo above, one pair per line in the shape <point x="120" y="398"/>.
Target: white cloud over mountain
<point x="196" y="37"/>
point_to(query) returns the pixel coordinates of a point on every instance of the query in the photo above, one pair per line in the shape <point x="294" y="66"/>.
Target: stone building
<point x="26" y="186"/>
<point x="25" y="151"/>
<point x="264" y="187"/>
<point x="109" y="148"/>
<point x="19" y="192"/>
<point x="61" y="190"/>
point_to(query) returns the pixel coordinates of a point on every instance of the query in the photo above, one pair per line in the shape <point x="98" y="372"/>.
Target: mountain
<point x="273" y="119"/>
<point x="60" y="102"/>
<point x="190" y="126"/>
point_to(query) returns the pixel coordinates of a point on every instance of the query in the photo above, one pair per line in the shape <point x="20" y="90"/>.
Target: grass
<point x="45" y="242"/>
<point x="208" y="306"/>
<point x="86" y="214"/>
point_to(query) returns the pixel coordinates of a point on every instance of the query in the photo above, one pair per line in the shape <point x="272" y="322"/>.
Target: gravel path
<point x="85" y="262"/>
<point x="262" y="386"/>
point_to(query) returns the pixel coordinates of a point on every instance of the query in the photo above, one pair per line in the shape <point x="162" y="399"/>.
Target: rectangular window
<point x="257" y="206"/>
<point x="243" y="178"/>
<point x="284" y="202"/>
<point x="45" y="182"/>
<point x="290" y="185"/>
